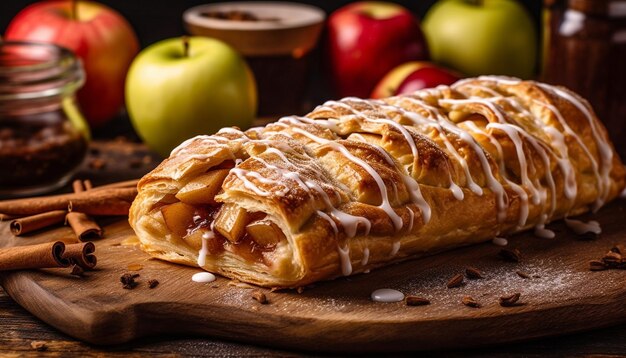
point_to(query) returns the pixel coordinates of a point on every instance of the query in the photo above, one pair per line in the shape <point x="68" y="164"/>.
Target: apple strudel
<point x="358" y="184"/>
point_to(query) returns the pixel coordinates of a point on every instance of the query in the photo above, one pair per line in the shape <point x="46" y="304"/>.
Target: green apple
<point x="182" y="87"/>
<point x="480" y="37"/>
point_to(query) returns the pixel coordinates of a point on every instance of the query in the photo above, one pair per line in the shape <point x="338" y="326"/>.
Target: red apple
<point x="99" y="35"/>
<point x="367" y="40"/>
<point x="413" y="76"/>
<point x="426" y="77"/>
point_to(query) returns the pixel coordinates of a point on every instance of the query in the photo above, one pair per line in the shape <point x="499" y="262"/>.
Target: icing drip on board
<point x="581" y="227"/>
<point x="203" y="277"/>
<point x="387" y="295"/>
<point x="500" y="241"/>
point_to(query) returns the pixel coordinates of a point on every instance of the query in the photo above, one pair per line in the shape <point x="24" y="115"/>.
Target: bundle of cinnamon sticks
<point x="48" y="255"/>
<point x="76" y="209"/>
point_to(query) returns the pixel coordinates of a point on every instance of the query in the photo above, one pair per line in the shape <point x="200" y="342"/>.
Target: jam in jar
<point x="43" y="136"/>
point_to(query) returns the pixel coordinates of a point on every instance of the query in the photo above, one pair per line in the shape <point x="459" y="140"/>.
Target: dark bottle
<point x="585" y="50"/>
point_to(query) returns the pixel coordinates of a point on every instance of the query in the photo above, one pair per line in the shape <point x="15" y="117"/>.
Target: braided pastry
<point x="358" y="184"/>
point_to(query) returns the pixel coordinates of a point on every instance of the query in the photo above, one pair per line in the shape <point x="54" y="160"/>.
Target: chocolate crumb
<point x="536" y="276"/>
<point x="77" y="271"/>
<point x="522" y="274"/>
<point x="511" y="255"/>
<point x="417" y="301"/>
<point x="39" y="346"/>
<point x="473" y="273"/>
<point x="300" y="289"/>
<point x="470" y="302"/>
<point x="455" y="281"/>
<point x="612" y="258"/>
<point x="510" y="300"/>
<point x="619" y="248"/>
<point x="597" y="265"/>
<point x="128" y="281"/>
<point x="260" y="297"/>
<point x="153" y="283"/>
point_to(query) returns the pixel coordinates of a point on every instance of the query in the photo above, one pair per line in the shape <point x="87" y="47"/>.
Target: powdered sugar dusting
<point x="546" y="281"/>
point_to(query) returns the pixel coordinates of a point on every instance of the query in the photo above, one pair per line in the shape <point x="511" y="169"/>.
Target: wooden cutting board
<point x="561" y="296"/>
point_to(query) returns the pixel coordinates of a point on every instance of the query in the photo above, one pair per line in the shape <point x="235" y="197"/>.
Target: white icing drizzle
<point x="366" y="256"/>
<point x="602" y="172"/>
<point x="521" y="157"/>
<point x="523" y="196"/>
<point x="387" y="295"/>
<point x="386" y="204"/>
<point x="604" y="148"/>
<point x="209" y="235"/>
<point x="203" y="277"/>
<point x="349" y="222"/>
<point x="330" y="221"/>
<point x="557" y="139"/>
<point x="410" y="183"/>
<point x="411" y="219"/>
<point x="541" y="231"/>
<point x="581" y="227"/>
<point x="456" y="190"/>
<point x="421" y="120"/>
<point x="205" y="138"/>
<point x="395" y="248"/>
<point x="242" y="175"/>
<point x="344" y="256"/>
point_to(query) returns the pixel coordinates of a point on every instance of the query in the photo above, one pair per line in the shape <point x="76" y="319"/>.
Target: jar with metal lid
<point x="585" y="50"/>
<point x="43" y="136"/>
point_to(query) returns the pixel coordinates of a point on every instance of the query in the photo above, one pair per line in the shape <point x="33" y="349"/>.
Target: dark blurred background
<point x="157" y="20"/>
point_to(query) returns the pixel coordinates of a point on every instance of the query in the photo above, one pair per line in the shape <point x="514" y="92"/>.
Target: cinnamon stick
<point x="48" y="255"/>
<point x="5" y="217"/>
<point x="83" y="226"/>
<point x="114" y="201"/>
<point x="87" y="184"/>
<point x="77" y="186"/>
<point x="81" y="254"/>
<point x="31" y="223"/>
<point x="122" y="184"/>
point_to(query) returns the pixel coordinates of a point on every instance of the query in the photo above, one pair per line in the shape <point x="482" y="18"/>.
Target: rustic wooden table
<point x="119" y="160"/>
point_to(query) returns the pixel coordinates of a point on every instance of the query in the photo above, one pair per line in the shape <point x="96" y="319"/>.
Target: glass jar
<point x="585" y="50"/>
<point x="43" y="136"/>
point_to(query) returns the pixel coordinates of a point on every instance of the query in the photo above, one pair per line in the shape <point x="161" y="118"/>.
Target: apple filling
<point x="250" y="235"/>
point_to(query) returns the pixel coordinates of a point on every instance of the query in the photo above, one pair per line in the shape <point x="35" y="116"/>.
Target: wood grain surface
<point x="562" y="297"/>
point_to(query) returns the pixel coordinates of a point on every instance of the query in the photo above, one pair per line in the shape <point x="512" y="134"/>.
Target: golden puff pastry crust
<point x="358" y="184"/>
